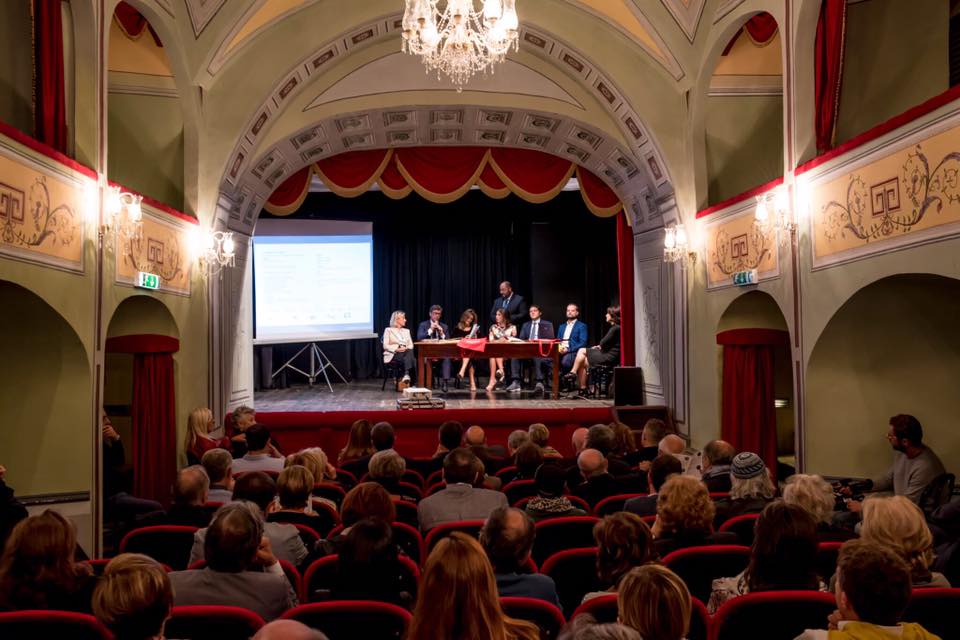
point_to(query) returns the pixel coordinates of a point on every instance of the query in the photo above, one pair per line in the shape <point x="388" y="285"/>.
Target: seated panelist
<point x="501" y="331"/>
<point x="572" y="335"/>
<point x="536" y="328"/>
<point x="397" y="343"/>
<point x="468" y="327"/>
<point x="434" y="329"/>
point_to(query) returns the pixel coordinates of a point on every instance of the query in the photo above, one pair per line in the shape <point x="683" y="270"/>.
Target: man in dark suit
<point x="534" y="329"/>
<point x="433" y="329"/>
<point x="573" y="336"/>
<point x="512" y="302"/>
<point x="598" y="483"/>
<point x="191" y="491"/>
<point x="661" y="469"/>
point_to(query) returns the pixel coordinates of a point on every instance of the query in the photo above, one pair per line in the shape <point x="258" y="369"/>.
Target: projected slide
<point x="313" y="280"/>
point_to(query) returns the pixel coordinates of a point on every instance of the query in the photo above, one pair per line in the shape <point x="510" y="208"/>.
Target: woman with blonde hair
<point x="398" y="343"/>
<point x="685" y="516"/>
<point x="656" y="602"/>
<point x="134" y="598"/>
<point x="359" y="444"/>
<point x="814" y="495"/>
<point x="198" y="441"/>
<point x="458" y="597"/>
<point x="897" y="523"/>
<point x="315" y="460"/>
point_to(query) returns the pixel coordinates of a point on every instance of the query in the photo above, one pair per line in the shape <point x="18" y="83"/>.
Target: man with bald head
<point x="288" y="630"/>
<point x="598" y="483"/>
<point x="190" y="491"/>
<point x="717" y="457"/>
<point x="579" y="440"/>
<point x="507" y="537"/>
<point x="675" y="446"/>
<point x="492" y="458"/>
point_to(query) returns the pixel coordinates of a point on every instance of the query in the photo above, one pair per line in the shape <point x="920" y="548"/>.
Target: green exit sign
<point x="745" y="278"/>
<point x="148" y="280"/>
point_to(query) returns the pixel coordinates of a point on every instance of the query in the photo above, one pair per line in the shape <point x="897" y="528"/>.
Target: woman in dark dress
<point x="606" y="353"/>
<point x="466" y="328"/>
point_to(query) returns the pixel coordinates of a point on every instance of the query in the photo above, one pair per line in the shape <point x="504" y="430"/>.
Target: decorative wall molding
<point x="236" y="328"/>
<point x="735" y="242"/>
<point x="746" y="86"/>
<point x="725" y="7"/>
<point x="162" y="249"/>
<point x="201" y="12"/>
<point x="138" y="84"/>
<point x="687" y="14"/>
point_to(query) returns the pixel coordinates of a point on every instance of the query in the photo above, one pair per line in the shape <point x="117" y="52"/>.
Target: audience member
<point x="315" y="460"/>
<point x="381" y="438"/>
<point x="528" y="459"/>
<point x="662" y="469"/>
<point x="602" y="438"/>
<point x="119" y="506"/>
<point x="598" y="483"/>
<point x="458" y="597"/>
<point x="368" y="567"/>
<point x="751" y="488"/>
<point x="460" y="500"/>
<point x="288" y="630"/>
<point x="450" y="437"/>
<point x="134" y="598"/>
<point x="190" y="493"/>
<point x="218" y="463"/>
<point x="515" y="440"/>
<point x="12" y="510"/>
<point x="814" y="495"/>
<point x="236" y="544"/>
<point x="242" y="418"/>
<point x="873" y="590"/>
<point x="624" y="541"/>
<point x="625" y="447"/>
<point x="507" y="537"/>
<point x="540" y="436"/>
<point x="783" y="556"/>
<point x="259" y="452"/>
<point x="717" y="458"/>
<point x="676" y="446"/>
<point x="387" y="469"/>
<point x="656" y="602"/>
<point x="585" y="627"/>
<point x="366" y="500"/>
<point x="653" y="432"/>
<point x="898" y="524"/>
<point x="197" y="442"/>
<point x="685" y="517"/>
<point x="293" y="504"/>
<point x="550" y="501"/>
<point x="38" y="569"/>
<point x="476" y="440"/>
<point x="579" y="440"/>
<point x="359" y="443"/>
<point x="260" y="489"/>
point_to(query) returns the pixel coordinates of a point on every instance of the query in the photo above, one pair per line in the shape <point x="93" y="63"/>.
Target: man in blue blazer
<point x="573" y="334"/>
<point x="534" y="329"/>
<point x="433" y="329"/>
<point x="512" y="302"/>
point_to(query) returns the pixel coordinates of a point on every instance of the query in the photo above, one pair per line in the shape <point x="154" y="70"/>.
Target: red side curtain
<point x="749" y="420"/>
<point x="828" y="68"/>
<point x="628" y="355"/>
<point x="50" y="112"/>
<point x="154" y="426"/>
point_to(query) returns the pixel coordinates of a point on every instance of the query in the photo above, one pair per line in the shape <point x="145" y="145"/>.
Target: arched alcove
<point x="45" y="394"/>
<point x="893" y="347"/>
<point x="755" y="317"/>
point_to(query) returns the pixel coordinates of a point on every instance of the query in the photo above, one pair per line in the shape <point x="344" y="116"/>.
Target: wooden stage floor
<point x="365" y="395"/>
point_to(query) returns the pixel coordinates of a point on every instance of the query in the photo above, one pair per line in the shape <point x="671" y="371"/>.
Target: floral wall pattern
<point x="161" y="249"/>
<point x="737" y="243"/>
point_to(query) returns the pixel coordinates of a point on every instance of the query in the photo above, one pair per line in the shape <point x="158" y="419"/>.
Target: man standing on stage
<point x="535" y="329"/>
<point x="510" y="302"/>
<point x="433" y="329"/>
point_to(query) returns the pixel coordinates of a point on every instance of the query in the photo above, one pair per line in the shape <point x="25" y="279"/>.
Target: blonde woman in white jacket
<point x="398" y="343"/>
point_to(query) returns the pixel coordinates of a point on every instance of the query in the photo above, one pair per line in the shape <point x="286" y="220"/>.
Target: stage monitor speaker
<point x="628" y="386"/>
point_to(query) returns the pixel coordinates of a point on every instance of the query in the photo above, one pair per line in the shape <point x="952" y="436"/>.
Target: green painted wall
<point x="895" y="57"/>
<point x="744" y="143"/>
<point x="16" y="59"/>
<point x="145" y="145"/>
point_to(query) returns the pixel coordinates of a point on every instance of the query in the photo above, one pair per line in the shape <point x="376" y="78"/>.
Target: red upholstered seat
<point x="519" y="489"/>
<point x="743" y="526"/>
<point x="330" y="491"/>
<point x="558" y="534"/>
<point x="341" y="619"/>
<point x="700" y="566"/>
<point x="409" y="476"/>
<point x="167" y="544"/>
<point x="344" y="477"/>
<point x="406" y="512"/>
<point x="613" y="504"/>
<point x="309" y="536"/>
<point x="441" y="531"/>
<point x="208" y="621"/>
<point x="320" y="578"/>
<point x="326" y="519"/>
<point x="434" y="478"/>
<point x="936" y="611"/>
<point x="604" y="609"/>
<point x="827" y="553"/>
<point x="507" y="473"/>
<point x="548" y="618"/>
<point x="52" y="624"/>
<point x="772" y="615"/>
<point x="575" y="573"/>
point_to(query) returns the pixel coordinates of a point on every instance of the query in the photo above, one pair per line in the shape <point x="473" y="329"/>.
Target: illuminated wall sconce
<point x="676" y="246"/>
<point x="774" y="211"/>
<point x="122" y="214"/>
<point x="213" y="250"/>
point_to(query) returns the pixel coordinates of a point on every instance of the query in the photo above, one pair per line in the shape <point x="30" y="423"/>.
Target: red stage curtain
<point x="628" y="355"/>
<point x="444" y="174"/>
<point x="599" y="198"/>
<point x="352" y="173"/>
<point x="828" y="69"/>
<point x="534" y="176"/>
<point x="154" y="426"/>
<point x="761" y="28"/>
<point x="132" y="23"/>
<point x="392" y="183"/>
<point x="291" y="193"/>
<point x="749" y="420"/>
<point x="50" y="110"/>
<point x="491" y="184"/>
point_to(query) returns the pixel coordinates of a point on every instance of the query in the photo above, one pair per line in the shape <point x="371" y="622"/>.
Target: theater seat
<point x="342" y="619"/>
<point x="558" y="534"/>
<point x="208" y="621"/>
<point x="167" y="544"/>
<point x="827" y="553"/>
<point x="441" y="531"/>
<point x="330" y="491"/>
<point x="743" y="526"/>
<point x="613" y="504"/>
<point x="435" y="487"/>
<point x="404" y="536"/>
<point x="575" y="573"/>
<point x="320" y="578"/>
<point x="345" y="478"/>
<point x="936" y="611"/>
<point x="406" y="512"/>
<point x="700" y="566"/>
<point x="772" y="615"/>
<point x="604" y="609"/>
<point x="308" y="535"/>
<point x="547" y="617"/>
<point x="519" y="489"/>
<point x="52" y="624"/>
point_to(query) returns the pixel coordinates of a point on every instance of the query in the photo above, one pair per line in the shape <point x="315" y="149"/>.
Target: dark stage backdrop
<point x="456" y="254"/>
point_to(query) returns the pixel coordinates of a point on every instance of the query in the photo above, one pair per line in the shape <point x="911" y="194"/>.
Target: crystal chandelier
<point x="459" y="41"/>
<point x="123" y="215"/>
<point x="213" y="250"/>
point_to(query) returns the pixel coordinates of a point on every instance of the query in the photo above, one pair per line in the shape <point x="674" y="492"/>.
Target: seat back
<point x="345" y="477"/>
<point x="320" y="578"/>
<point x="406" y="512"/>
<point x="412" y="490"/>
<point x="936" y="611"/>
<point x="330" y="491"/>
<point x="519" y="489"/>
<point x="434" y="478"/>
<point x="547" y="617"/>
<point x="52" y="624"/>
<point x="436" y="486"/>
<point x="700" y="566"/>
<point x="326" y="519"/>
<point x="309" y="536"/>
<point x="167" y="544"/>
<point x="772" y="615"/>
<point x="558" y="534"/>
<point x="208" y="621"/>
<point x="441" y="531"/>
<point x="575" y="573"/>
<point x="507" y="473"/>
<point x="743" y="526"/>
<point x="413" y="477"/>
<point x="340" y="619"/>
<point x="613" y="504"/>
<point x="827" y="554"/>
<point x="603" y="608"/>
<point x="937" y="493"/>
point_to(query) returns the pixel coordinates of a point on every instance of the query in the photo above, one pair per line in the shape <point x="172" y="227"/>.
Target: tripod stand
<point x="319" y="363"/>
